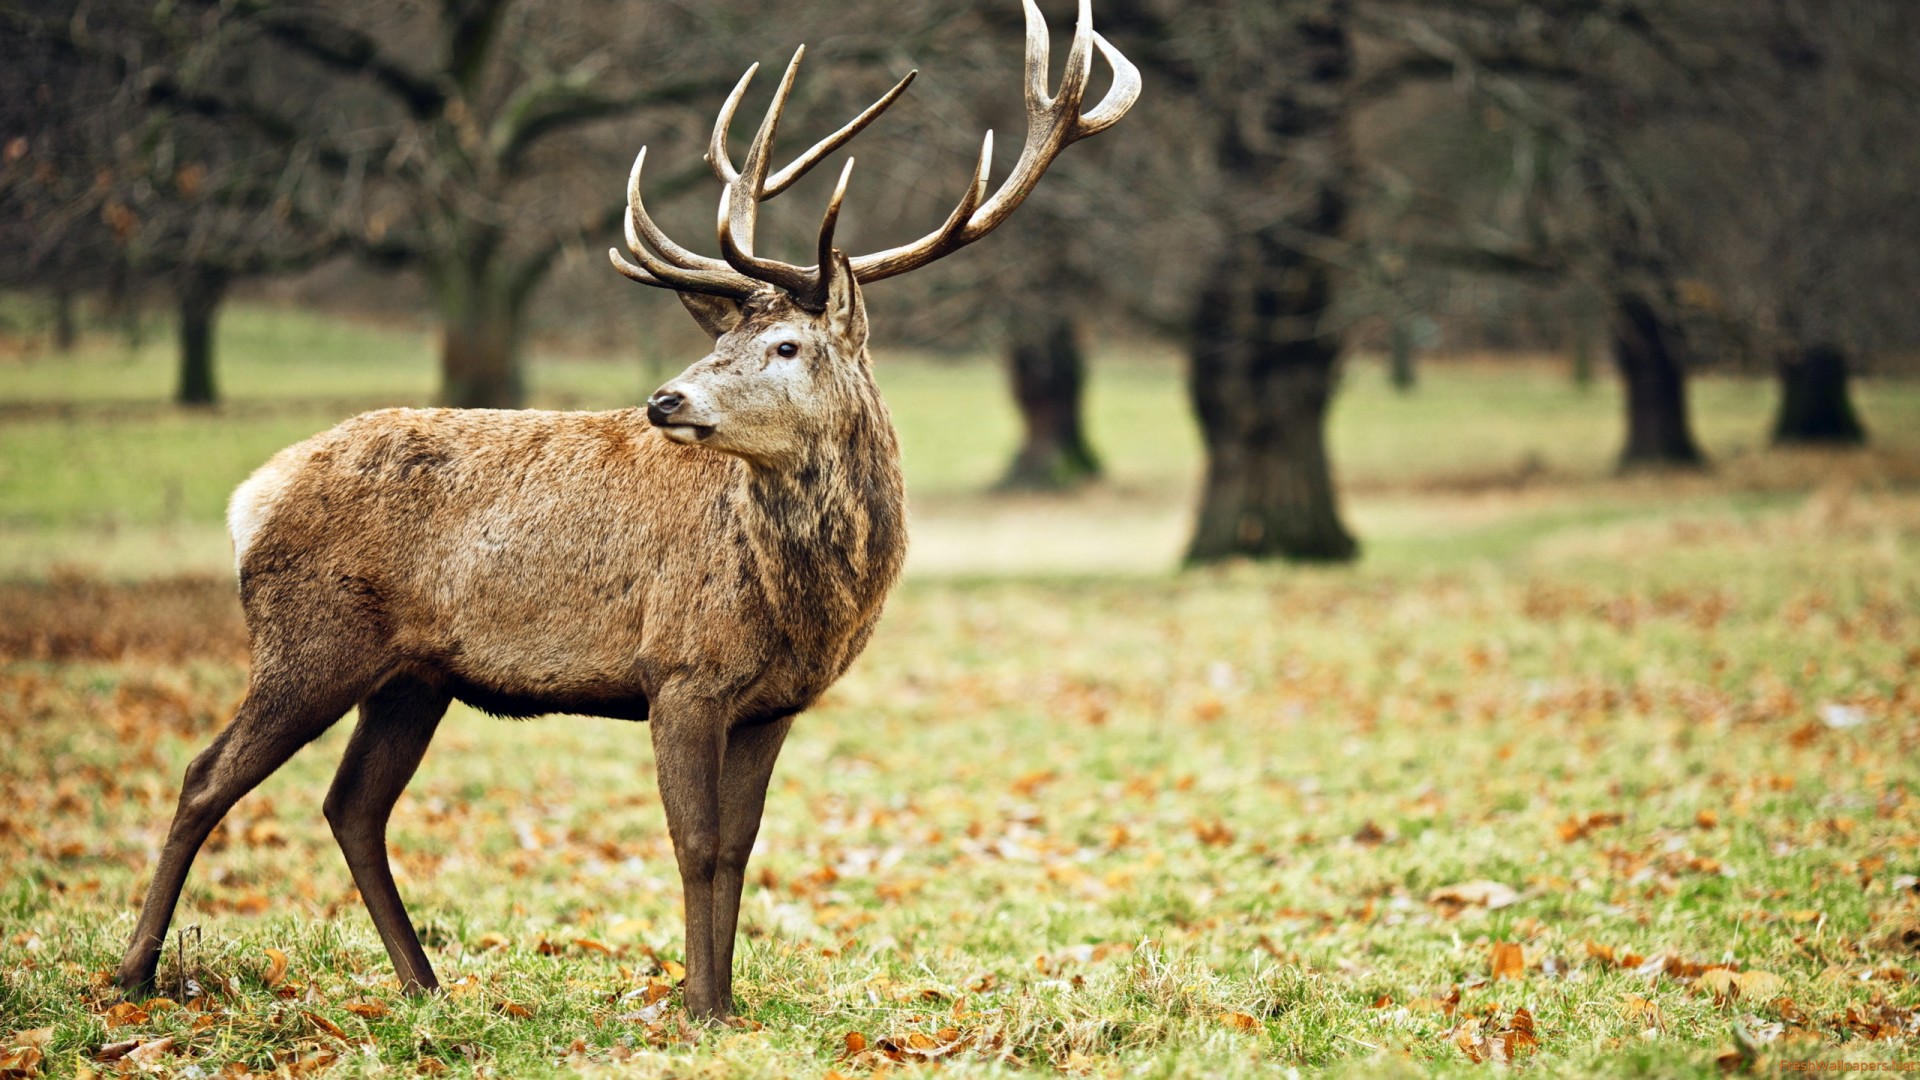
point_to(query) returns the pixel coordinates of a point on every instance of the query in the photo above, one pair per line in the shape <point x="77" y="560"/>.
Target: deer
<point x="709" y="564"/>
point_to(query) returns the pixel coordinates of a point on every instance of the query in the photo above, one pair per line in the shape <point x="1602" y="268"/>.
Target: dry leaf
<point x="591" y="945"/>
<point x="1509" y="960"/>
<point x="150" y="1051"/>
<point x="20" y="1063"/>
<point x="1487" y="894"/>
<point x="855" y="1043"/>
<point x="276" y="968"/>
<point x="490" y="941"/>
<point x="323" y="1024"/>
<point x="1239" y="1021"/>
<point x="114" y="1051"/>
<point x="1519" y="1036"/>
<point x="372" y="1010"/>
<point x="676" y="972"/>
<point x="126" y="1013"/>
<point x="517" y="1010"/>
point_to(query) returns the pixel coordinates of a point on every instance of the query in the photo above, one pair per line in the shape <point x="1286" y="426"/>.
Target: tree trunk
<point x="1582" y="355"/>
<point x="1816" y="405"/>
<point x="1262" y="376"/>
<point x="200" y="292"/>
<point x="1400" y="360"/>
<point x="481" y="331"/>
<point x="1263" y="354"/>
<point x="65" y="333"/>
<point x="1659" y="433"/>
<point x="1047" y="370"/>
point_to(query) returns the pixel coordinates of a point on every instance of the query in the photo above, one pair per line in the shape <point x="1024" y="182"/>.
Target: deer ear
<point x="715" y="314"/>
<point x="846" y="311"/>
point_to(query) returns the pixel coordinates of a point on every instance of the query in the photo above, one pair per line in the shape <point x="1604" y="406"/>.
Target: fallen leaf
<point x="1519" y="1036"/>
<point x="676" y="972"/>
<point x="114" y="1051"/>
<point x="150" y="1051"/>
<point x="517" y="1010"/>
<point x="323" y="1024"/>
<point x="1487" y="894"/>
<point x="372" y="1010"/>
<point x="1238" y="1021"/>
<point x="276" y="968"/>
<point x="125" y="1013"/>
<point x="855" y="1043"/>
<point x="491" y="941"/>
<point x="1509" y="960"/>
<point x="20" y="1063"/>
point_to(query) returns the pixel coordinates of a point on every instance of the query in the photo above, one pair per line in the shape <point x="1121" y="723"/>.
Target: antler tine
<point x="717" y="144"/>
<point x="640" y="224"/>
<point x="815" y="295"/>
<point x="740" y="206"/>
<point x="675" y="267"/>
<point x="1120" y="96"/>
<point x="1053" y="122"/>
<point x="800" y="166"/>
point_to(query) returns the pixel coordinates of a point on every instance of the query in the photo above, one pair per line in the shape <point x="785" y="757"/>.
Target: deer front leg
<point x="748" y="765"/>
<point x="689" y="739"/>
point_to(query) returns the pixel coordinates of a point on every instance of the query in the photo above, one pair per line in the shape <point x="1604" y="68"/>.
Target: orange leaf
<point x="372" y="1010"/>
<point x="1520" y="1034"/>
<point x="855" y="1042"/>
<point x="676" y="972"/>
<point x="517" y="1010"/>
<point x="1509" y="960"/>
<point x="125" y="1013"/>
<point x="276" y="968"/>
<point x="1239" y="1021"/>
<point x="324" y="1024"/>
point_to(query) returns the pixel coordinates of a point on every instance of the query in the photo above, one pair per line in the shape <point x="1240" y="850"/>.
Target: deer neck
<point x="827" y="530"/>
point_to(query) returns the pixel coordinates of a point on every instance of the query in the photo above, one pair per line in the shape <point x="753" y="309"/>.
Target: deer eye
<point x="787" y="348"/>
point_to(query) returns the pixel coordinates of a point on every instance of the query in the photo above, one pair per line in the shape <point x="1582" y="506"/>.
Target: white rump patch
<point x="253" y="502"/>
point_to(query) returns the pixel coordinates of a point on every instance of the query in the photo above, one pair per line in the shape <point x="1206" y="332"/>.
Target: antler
<point x="1053" y="122"/>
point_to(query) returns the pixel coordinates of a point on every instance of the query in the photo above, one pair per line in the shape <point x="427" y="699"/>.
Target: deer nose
<point x="662" y="406"/>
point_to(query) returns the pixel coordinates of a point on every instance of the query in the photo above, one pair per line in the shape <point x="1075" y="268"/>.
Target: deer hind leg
<point x="292" y="699"/>
<point x="396" y="724"/>
<point x="744" y="773"/>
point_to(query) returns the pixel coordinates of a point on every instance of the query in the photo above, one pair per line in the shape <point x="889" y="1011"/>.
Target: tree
<point x="1263" y="347"/>
<point x="456" y="136"/>
<point x="108" y="193"/>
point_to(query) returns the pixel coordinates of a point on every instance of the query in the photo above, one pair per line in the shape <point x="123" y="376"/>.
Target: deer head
<point x="789" y="341"/>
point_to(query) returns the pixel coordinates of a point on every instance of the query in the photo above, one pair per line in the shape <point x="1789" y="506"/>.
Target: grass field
<point x="1592" y="776"/>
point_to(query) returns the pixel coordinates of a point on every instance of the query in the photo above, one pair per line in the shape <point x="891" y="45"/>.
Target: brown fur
<point x="535" y="562"/>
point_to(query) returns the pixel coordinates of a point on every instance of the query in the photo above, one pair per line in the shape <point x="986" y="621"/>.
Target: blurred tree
<point x="1823" y="220"/>
<point x="453" y="132"/>
<point x="1275" y="80"/>
<point x="105" y="195"/>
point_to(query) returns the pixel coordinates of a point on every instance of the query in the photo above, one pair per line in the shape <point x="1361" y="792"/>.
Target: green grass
<point x="1079" y="812"/>
<point x="98" y="476"/>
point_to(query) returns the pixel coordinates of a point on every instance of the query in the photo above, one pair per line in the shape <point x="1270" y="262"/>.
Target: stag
<point x="710" y="564"/>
